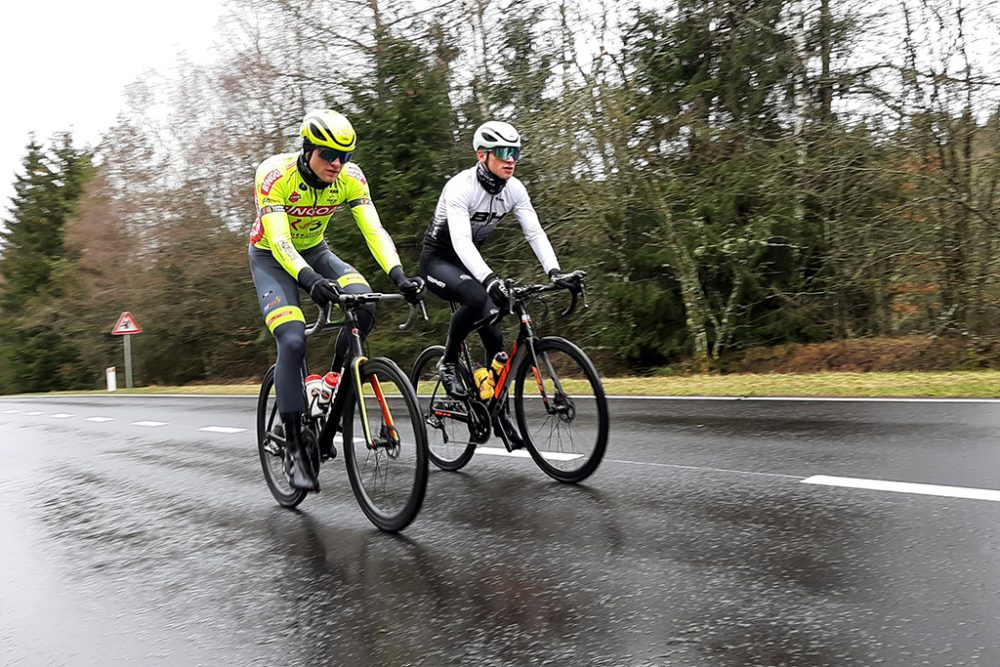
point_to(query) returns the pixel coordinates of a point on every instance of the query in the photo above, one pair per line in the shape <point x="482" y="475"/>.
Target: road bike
<point x="558" y="398"/>
<point x="375" y="410"/>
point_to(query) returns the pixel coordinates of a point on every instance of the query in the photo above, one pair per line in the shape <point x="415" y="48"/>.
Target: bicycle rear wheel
<point x="449" y="444"/>
<point x="561" y="409"/>
<point x="271" y="445"/>
<point x="385" y="445"/>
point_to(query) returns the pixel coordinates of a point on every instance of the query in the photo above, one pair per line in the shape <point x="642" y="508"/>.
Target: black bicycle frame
<point x="352" y="363"/>
<point x="524" y="344"/>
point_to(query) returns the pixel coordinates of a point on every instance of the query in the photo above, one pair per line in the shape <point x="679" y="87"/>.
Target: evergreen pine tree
<point x="34" y="354"/>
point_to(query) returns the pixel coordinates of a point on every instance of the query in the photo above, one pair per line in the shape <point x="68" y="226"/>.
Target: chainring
<point x="479" y="422"/>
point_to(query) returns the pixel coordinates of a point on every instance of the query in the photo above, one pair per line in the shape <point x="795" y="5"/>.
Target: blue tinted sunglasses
<point x="330" y="155"/>
<point x="507" y="152"/>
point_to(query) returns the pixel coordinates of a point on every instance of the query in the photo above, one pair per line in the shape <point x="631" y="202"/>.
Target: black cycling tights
<point x="452" y="283"/>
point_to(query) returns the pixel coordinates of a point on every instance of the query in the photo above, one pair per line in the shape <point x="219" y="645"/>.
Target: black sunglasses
<point x="329" y="154"/>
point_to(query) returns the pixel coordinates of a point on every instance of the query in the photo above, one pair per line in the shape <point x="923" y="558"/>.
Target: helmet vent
<point x="319" y="131"/>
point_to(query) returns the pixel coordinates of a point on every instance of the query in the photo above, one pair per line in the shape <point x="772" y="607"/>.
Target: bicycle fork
<point x="553" y="405"/>
<point x="388" y="424"/>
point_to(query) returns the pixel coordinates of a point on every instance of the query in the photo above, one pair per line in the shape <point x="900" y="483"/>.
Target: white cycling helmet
<point x="495" y="133"/>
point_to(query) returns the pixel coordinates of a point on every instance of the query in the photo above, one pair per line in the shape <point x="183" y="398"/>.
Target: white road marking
<point x="60" y="415"/>
<point x="145" y="423"/>
<point x="906" y="487"/>
<point x="11" y="412"/>
<point x="523" y="454"/>
<point x="222" y="429"/>
<point x="339" y="440"/>
<point x="703" y="468"/>
<point x="34" y="413"/>
<point x="827" y="399"/>
<point x="99" y="419"/>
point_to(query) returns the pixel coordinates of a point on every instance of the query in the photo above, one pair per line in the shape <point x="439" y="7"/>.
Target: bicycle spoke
<point x="386" y="460"/>
<point x="448" y="438"/>
<point x="271" y="447"/>
<point x="561" y="410"/>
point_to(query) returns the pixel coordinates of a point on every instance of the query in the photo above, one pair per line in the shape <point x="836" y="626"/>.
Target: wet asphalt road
<point x="696" y="543"/>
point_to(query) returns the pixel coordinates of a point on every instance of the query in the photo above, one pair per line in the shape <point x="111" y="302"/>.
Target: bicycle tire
<point x="271" y="451"/>
<point x="444" y="449"/>
<point x="561" y="409"/>
<point x="370" y="471"/>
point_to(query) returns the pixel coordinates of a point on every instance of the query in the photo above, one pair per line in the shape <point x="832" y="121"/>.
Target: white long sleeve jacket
<point x="467" y="215"/>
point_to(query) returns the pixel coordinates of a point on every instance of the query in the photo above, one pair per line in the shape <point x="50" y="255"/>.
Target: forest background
<point x="750" y="184"/>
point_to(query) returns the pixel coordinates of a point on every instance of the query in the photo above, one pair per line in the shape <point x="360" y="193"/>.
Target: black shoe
<point x="504" y="429"/>
<point x="300" y="473"/>
<point x="450" y="381"/>
<point x="298" y="463"/>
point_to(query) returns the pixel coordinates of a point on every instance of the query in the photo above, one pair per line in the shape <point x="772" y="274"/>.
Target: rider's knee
<point x="291" y="340"/>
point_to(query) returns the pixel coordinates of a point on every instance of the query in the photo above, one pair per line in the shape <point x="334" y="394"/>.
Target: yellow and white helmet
<point x="324" y="127"/>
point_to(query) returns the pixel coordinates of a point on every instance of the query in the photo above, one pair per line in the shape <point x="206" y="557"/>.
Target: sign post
<point x="126" y="326"/>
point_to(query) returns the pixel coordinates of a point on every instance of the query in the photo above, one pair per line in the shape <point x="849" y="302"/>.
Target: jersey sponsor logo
<point x="354" y="171"/>
<point x="483" y="216"/>
<point x="359" y="202"/>
<point x="286" y="248"/>
<point x="310" y="211"/>
<point x="281" y="315"/>
<point x="257" y="231"/>
<point x="270" y="209"/>
<point x="269" y="181"/>
<point x="307" y="225"/>
<point x="294" y="197"/>
<point x="353" y="278"/>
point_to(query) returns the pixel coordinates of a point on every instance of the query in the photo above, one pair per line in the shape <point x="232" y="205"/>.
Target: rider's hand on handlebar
<point x="496" y="287"/>
<point x="571" y="281"/>
<point x="321" y="290"/>
<point x="411" y="288"/>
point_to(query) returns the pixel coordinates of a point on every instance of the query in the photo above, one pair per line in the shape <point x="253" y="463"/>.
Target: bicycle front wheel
<point x="385" y="445"/>
<point x="561" y="409"/>
<point x="271" y="445"/>
<point x="449" y="443"/>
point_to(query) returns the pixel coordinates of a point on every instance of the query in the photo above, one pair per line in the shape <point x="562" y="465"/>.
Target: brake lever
<point x="413" y="311"/>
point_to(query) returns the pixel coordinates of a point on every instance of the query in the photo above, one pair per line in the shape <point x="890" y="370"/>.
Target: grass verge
<point x="957" y="384"/>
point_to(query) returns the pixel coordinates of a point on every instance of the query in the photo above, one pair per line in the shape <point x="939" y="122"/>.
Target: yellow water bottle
<point x="484" y="382"/>
<point x="497" y="366"/>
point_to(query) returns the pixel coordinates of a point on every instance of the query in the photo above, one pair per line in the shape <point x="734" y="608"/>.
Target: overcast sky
<point x="67" y="62"/>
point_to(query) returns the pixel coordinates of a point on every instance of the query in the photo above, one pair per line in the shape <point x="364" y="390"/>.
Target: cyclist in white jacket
<point x="471" y="207"/>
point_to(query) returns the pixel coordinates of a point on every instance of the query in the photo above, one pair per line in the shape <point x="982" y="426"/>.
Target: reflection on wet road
<point x="694" y="544"/>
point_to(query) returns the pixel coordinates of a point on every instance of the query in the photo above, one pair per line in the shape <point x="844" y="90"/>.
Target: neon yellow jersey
<point x="292" y="216"/>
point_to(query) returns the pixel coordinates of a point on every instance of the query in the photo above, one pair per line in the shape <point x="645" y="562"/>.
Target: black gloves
<point x="412" y="288"/>
<point x="565" y="280"/>
<point x="497" y="289"/>
<point x="322" y="290"/>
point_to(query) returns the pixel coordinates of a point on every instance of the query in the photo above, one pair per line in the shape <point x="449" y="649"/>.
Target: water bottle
<point x="484" y="380"/>
<point x="330" y="381"/>
<point x="497" y="366"/>
<point x="314" y="390"/>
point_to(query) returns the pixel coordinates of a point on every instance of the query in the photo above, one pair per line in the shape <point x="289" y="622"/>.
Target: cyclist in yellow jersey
<point x="296" y="194"/>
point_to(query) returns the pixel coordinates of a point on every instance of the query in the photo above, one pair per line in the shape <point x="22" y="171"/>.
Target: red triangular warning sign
<point x="126" y="325"/>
